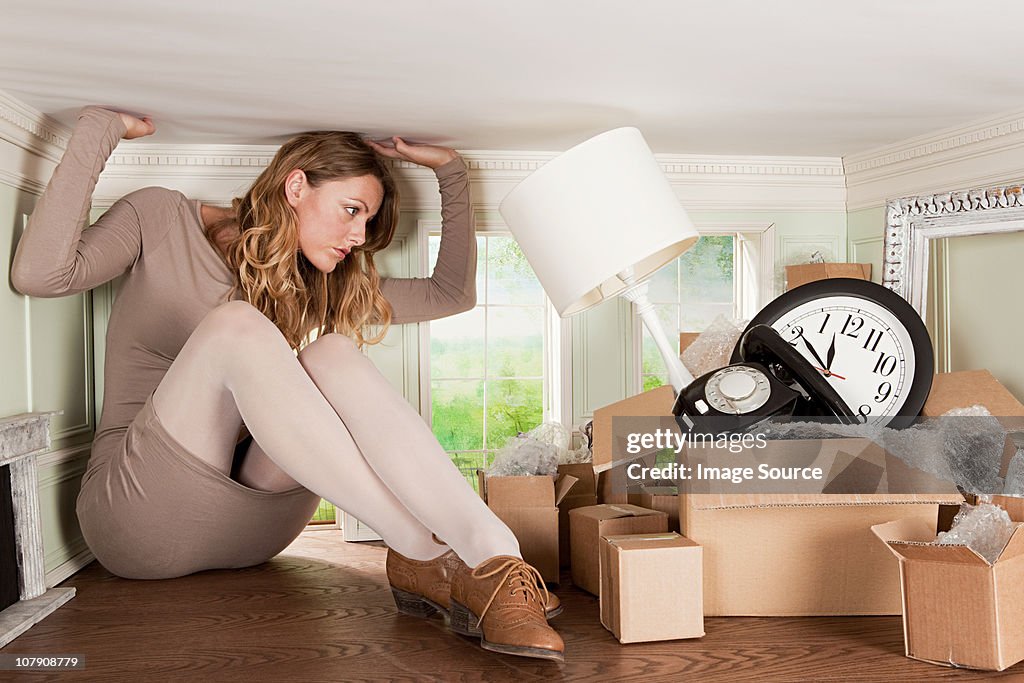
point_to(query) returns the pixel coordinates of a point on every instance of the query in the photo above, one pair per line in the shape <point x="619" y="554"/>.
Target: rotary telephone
<point x="766" y="382"/>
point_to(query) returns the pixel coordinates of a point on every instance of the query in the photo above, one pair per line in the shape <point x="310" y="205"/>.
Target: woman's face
<point x="332" y="217"/>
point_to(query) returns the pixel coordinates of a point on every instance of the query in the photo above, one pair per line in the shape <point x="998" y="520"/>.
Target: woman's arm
<point x="451" y="288"/>
<point x="56" y="255"/>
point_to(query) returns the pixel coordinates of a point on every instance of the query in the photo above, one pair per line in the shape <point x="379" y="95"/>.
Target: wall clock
<point x="866" y="341"/>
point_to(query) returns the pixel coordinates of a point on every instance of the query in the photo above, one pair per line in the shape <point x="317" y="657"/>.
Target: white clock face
<point x="860" y="347"/>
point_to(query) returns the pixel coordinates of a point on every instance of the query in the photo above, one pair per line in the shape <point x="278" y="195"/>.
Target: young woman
<point x="206" y="345"/>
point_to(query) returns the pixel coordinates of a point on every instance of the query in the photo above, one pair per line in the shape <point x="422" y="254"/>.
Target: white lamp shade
<point x="594" y="211"/>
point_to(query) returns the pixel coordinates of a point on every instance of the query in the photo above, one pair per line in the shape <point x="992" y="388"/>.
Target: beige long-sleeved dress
<point x="148" y="508"/>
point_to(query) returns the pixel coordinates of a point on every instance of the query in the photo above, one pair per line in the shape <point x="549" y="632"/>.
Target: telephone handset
<point x="740" y="395"/>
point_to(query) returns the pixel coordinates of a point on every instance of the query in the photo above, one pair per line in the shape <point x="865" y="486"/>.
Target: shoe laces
<point x="519" y="576"/>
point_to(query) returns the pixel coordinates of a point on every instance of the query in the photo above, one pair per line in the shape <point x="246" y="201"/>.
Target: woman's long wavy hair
<point x="276" y="278"/>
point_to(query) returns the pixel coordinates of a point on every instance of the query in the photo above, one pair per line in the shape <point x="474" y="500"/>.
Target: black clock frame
<point x="924" y="358"/>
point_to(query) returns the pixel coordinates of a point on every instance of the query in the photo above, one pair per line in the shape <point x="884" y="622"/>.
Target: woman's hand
<point x="431" y="156"/>
<point x="137" y="128"/>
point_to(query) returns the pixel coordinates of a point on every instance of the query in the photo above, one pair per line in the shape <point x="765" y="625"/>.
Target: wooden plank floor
<point x="322" y="611"/>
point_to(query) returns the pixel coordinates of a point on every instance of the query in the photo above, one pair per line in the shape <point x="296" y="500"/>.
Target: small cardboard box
<point x="582" y="494"/>
<point x="809" y="272"/>
<point x="663" y="498"/>
<point x="958" y="609"/>
<point x="587" y="526"/>
<point x="528" y="506"/>
<point x="651" y="587"/>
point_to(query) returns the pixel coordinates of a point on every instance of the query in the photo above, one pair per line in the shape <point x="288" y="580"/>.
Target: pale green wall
<point x="985" y="312"/>
<point x="865" y="234"/>
<point x="46" y="364"/>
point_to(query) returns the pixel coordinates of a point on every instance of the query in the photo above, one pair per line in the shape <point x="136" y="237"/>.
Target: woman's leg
<point x="309" y="417"/>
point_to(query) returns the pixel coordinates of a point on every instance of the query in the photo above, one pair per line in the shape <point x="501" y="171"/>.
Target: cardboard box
<point x="663" y="498"/>
<point x="809" y="272"/>
<point x="958" y="609"/>
<point x="657" y="401"/>
<point x="587" y="526"/>
<point x="651" y="587"/>
<point x="582" y="494"/>
<point x="528" y="506"/>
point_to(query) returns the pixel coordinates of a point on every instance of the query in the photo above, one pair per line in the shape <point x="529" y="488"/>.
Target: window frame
<point x="753" y="284"/>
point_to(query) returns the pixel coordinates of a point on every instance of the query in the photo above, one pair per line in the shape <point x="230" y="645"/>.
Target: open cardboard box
<point x="800" y="554"/>
<point x="959" y="610"/>
<point x="528" y="505"/>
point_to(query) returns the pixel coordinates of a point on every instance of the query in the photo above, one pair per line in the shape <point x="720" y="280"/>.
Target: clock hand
<point x="813" y="352"/>
<point x="831" y="355"/>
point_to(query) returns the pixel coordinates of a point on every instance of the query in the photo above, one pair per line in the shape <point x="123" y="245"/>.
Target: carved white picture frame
<point x="913" y="222"/>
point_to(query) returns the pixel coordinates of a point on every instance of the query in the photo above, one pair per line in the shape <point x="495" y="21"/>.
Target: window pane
<point x="664" y="284"/>
<point x="652" y="361"/>
<point x="457" y="411"/>
<point x="457" y="345"/>
<point x="515" y="342"/>
<point x="654" y="381"/>
<point x="513" y="406"/>
<point x="697" y="317"/>
<point x="468" y="464"/>
<point x="707" y="271"/>
<point x="510" y="280"/>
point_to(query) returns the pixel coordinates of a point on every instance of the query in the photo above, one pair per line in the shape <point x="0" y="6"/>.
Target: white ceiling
<point x="790" y="77"/>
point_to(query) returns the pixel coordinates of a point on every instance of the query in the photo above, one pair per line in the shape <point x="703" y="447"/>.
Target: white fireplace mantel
<point x="22" y="438"/>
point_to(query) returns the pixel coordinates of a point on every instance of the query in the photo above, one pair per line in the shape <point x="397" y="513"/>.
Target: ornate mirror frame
<point x="913" y="222"/>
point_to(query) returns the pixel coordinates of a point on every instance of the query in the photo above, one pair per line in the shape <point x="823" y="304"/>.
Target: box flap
<point x="584" y="472"/>
<point x="929" y="552"/>
<point x="1015" y="546"/>
<point x="612" y="511"/>
<point x="907" y="529"/>
<point x="912" y="539"/>
<point x="967" y="388"/>
<point x="563" y="484"/>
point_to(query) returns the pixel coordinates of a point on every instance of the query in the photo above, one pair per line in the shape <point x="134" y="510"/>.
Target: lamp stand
<point x="636" y="292"/>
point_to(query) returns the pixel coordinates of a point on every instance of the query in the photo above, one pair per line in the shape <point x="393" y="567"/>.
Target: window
<point x="728" y="272"/>
<point x="489" y="367"/>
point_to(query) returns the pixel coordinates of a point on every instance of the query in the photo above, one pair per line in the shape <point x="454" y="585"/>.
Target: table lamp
<point x="598" y="221"/>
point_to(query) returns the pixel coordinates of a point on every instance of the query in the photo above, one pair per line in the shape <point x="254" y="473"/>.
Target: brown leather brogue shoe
<point x="552" y="608"/>
<point x="502" y="601"/>
<point x="420" y="587"/>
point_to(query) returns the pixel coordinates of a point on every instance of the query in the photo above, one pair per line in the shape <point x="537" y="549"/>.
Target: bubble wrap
<point x="1014" y="485"/>
<point x="983" y="528"/>
<point x="713" y="348"/>
<point x="966" y="451"/>
<point x="534" y="453"/>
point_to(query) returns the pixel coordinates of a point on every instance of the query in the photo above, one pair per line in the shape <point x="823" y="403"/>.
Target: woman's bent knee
<point x="330" y="352"/>
<point x="236" y="321"/>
